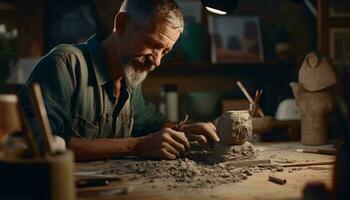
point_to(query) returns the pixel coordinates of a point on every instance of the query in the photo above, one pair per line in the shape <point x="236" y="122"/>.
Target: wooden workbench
<point x="255" y="187"/>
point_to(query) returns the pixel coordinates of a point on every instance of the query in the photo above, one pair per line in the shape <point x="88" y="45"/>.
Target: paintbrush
<point x="177" y="128"/>
<point x="258" y="94"/>
<point x="246" y="94"/>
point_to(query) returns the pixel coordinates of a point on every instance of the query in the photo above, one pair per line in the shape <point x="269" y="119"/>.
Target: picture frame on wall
<point x="340" y="45"/>
<point x="235" y="39"/>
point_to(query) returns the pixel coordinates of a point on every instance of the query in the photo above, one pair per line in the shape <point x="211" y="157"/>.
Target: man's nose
<point x="156" y="58"/>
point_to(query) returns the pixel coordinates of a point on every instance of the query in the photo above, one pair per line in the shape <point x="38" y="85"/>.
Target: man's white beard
<point x="133" y="78"/>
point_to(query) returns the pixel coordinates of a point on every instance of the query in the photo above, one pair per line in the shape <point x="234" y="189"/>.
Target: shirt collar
<point x="98" y="59"/>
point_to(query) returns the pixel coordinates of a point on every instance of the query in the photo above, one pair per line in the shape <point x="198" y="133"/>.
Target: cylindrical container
<point x="9" y="115"/>
<point x="50" y="177"/>
<point x="162" y="103"/>
<point x="172" y="105"/>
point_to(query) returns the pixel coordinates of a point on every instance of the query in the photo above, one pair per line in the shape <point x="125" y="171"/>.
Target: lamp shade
<point x="221" y="7"/>
<point x="9" y="115"/>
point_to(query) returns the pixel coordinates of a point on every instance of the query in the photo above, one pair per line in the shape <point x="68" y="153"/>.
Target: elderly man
<point x="92" y="91"/>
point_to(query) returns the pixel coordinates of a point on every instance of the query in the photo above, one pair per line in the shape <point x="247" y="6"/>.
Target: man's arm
<point x="164" y="144"/>
<point x="97" y="149"/>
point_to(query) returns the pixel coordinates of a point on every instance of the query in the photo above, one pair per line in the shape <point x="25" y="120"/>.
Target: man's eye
<point x="165" y="53"/>
<point x="151" y="45"/>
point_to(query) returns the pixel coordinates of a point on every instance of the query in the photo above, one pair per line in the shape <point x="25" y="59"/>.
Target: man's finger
<point x="170" y="149"/>
<point x="168" y="155"/>
<point x="211" y="134"/>
<point x="212" y="126"/>
<point x="177" y="145"/>
<point x="180" y="138"/>
<point x="201" y="139"/>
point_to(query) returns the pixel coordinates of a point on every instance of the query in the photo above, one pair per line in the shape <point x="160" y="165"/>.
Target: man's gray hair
<point x="140" y="10"/>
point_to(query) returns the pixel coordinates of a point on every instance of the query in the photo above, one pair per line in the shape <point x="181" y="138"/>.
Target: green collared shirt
<point x="79" y="98"/>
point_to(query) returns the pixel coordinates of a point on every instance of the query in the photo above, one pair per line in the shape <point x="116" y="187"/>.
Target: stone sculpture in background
<point x="313" y="97"/>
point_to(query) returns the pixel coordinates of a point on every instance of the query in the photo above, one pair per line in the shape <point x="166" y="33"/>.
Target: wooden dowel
<point x="40" y="112"/>
<point x="302" y="164"/>
<point x="244" y="163"/>
<point x="277" y="180"/>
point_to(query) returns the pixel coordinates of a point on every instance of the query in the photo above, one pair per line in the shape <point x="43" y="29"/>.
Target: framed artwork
<point x="235" y="39"/>
<point x="340" y="45"/>
<point x="339" y="8"/>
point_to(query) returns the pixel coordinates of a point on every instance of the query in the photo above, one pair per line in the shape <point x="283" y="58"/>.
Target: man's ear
<point x="121" y="23"/>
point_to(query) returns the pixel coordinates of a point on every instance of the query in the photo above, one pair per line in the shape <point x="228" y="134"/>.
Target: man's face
<point x="143" y="48"/>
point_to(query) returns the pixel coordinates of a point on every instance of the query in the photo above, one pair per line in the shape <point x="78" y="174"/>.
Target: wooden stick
<point x="244" y="163"/>
<point x="319" y="151"/>
<point x="258" y="94"/>
<point x="181" y="123"/>
<point x="28" y="132"/>
<point x="277" y="180"/>
<point x="40" y="111"/>
<point x="298" y="164"/>
<point x="302" y="164"/>
<point x="246" y="94"/>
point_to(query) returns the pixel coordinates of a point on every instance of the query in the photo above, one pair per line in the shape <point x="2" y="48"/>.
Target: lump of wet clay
<point x="234" y="127"/>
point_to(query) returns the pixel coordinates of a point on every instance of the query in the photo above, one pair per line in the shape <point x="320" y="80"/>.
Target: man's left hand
<point x="203" y="133"/>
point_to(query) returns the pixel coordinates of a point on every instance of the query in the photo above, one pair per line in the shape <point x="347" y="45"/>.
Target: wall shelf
<point x="222" y="69"/>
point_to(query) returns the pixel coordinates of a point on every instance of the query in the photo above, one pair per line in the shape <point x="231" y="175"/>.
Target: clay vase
<point x="314" y="107"/>
<point x="234" y="127"/>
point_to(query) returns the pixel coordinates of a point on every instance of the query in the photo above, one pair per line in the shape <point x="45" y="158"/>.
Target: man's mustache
<point x="144" y="62"/>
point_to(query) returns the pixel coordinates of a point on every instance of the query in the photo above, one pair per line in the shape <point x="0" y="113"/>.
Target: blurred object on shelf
<point x="283" y="51"/>
<point x="194" y="43"/>
<point x="234" y="104"/>
<point x="283" y="130"/>
<point x="171" y="102"/>
<point x="7" y="53"/>
<point x="21" y="70"/>
<point x="202" y="106"/>
<point x="262" y="125"/>
<point x="287" y="110"/>
<point x="10" y="118"/>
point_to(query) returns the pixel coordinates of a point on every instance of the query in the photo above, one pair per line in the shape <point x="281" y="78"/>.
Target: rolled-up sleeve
<point x="57" y="84"/>
<point x="147" y="119"/>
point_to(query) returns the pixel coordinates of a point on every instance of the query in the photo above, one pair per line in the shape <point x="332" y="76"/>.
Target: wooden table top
<point x="256" y="186"/>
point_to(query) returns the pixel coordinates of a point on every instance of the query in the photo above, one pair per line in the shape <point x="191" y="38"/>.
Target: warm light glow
<point x="216" y="11"/>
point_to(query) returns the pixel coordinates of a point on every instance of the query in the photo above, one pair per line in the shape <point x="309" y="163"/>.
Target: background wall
<point x="280" y="20"/>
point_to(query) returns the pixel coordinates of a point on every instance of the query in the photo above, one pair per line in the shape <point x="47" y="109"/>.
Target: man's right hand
<point x="166" y="144"/>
